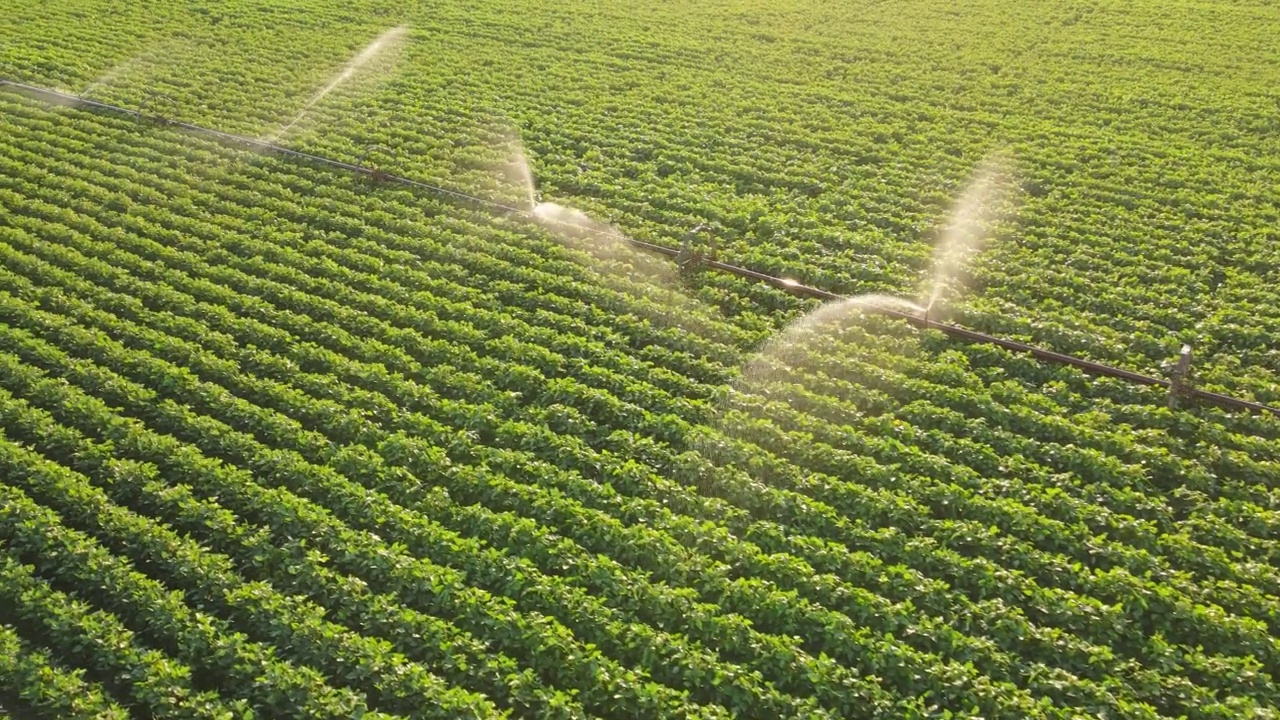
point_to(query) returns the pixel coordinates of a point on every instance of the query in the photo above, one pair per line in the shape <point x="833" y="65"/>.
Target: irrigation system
<point x="1177" y="385"/>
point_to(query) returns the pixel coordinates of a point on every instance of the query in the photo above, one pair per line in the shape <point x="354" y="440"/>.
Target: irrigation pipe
<point x="790" y="286"/>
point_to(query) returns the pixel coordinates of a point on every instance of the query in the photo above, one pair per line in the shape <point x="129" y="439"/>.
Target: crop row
<point x="35" y="535"/>
<point x="294" y="627"/>
<point x="31" y="682"/>
<point x="826" y="415"/>
<point x="540" y="642"/>
<point x="380" y="529"/>
<point x="758" y="159"/>
<point x="1147" y="482"/>
<point x="473" y="238"/>
<point x="257" y="197"/>
<point x="256" y="268"/>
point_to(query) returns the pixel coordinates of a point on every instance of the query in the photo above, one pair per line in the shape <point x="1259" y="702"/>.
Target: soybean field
<point x="280" y="439"/>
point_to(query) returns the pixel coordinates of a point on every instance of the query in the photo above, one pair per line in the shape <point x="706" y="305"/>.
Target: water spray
<point x="961" y="239"/>
<point x="378" y="46"/>
<point x="519" y="163"/>
<point x="578" y="230"/>
<point x="975" y="210"/>
<point x="917" y="319"/>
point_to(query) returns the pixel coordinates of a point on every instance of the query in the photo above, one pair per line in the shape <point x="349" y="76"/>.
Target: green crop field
<point x="278" y="440"/>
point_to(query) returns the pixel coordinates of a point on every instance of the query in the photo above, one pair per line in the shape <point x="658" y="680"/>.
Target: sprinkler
<point x="1179" y="377"/>
<point x="690" y="259"/>
<point x="154" y="98"/>
<point x="376" y="174"/>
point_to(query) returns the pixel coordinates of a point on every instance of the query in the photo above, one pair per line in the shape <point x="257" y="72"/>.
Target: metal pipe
<point x="790" y="286"/>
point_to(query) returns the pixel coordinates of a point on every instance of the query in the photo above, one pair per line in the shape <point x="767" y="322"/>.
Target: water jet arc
<point x="370" y="51"/>
<point x="973" y="212"/>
